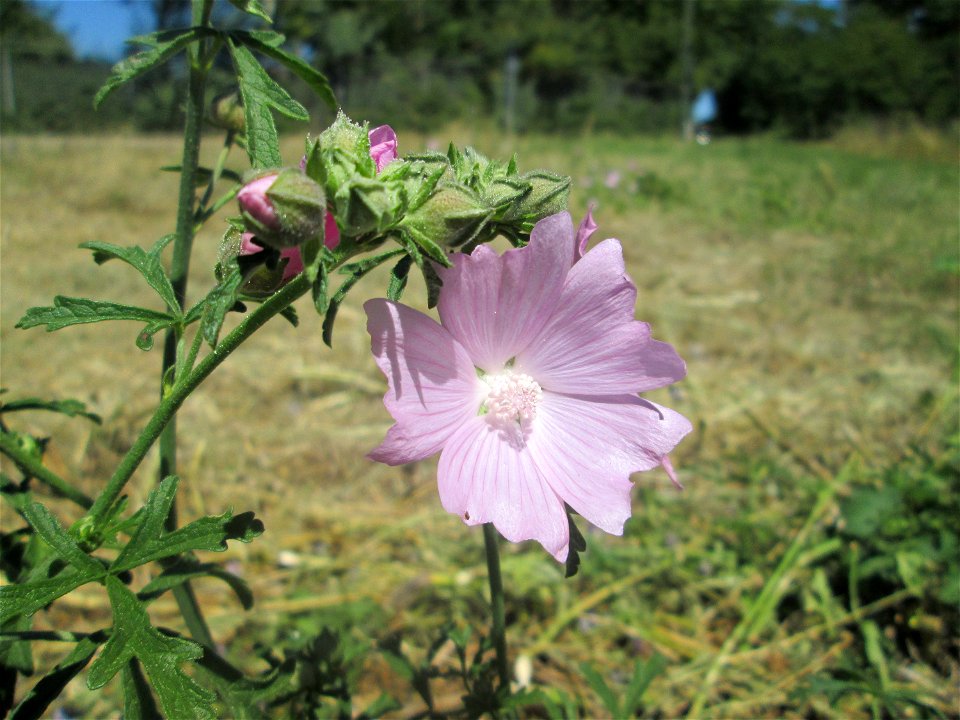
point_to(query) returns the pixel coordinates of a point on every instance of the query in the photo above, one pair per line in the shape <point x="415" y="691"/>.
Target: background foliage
<point x="796" y="67"/>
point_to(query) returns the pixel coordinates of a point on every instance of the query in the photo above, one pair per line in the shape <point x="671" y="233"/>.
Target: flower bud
<point x="452" y="216"/>
<point x="369" y="205"/>
<point x="226" y="112"/>
<point x="283" y="209"/>
<point x="548" y="196"/>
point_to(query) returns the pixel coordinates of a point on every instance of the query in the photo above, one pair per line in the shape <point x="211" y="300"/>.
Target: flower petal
<point x="592" y="344"/>
<point x="383" y="145"/>
<point x="588" y="226"/>
<point x="495" y="305"/>
<point x="433" y="386"/>
<point x="486" y="476"/>
<point x="587" y="447"/>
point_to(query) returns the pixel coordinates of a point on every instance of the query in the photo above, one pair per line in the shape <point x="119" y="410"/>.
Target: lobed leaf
<point x="187" y="569"/>
<point x="67" y="311"/>
<point x="70" y="407"/>
<point x="28" y="597"/>
<point x="161" y="656"/>
<point x="260" y="95"/>
<point x="146" y="263"/>
<point x="217" y="304"/>
<point x="62" y="543"/>
<point x="268" y="44"/>
<point x="138" y="701"/>
<point x="161" y="47"/>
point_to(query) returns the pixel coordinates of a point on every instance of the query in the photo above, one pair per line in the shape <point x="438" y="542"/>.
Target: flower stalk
<point x="498" y="626"/>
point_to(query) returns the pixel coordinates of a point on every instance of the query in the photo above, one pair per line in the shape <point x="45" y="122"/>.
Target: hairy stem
<point x="31" y="466"/>
<point x="496" y="603"/>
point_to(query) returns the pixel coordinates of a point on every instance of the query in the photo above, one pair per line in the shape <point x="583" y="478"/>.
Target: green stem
<point x="184" y="386"/>
<point x="179" y="272"/>
<point x="31" y="466"/>
<point x="498" y="631"/>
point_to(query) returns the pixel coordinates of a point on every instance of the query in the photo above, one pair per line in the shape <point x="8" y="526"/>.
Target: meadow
<point x="809" y="568"/>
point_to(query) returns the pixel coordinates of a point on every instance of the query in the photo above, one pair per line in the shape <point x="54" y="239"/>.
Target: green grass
<point x="809" y="568"/>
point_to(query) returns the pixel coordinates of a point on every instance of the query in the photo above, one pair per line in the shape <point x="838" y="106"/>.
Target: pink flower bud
<point x="383" y="145"/>
<point x="254" y="202"/>
<point x="294" y="266"/>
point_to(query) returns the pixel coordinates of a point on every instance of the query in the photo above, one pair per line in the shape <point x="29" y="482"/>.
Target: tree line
<point x="799" y="67"/>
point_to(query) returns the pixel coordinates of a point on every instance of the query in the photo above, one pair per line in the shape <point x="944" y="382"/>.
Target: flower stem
<point x="498" y="631"/>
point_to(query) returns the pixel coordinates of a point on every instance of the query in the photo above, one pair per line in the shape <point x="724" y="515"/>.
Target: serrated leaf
<point x="261" y="94"/>
<point x="187" y="569"/>
<point x="252" y="7"/>
<point x="161" y="656"/>
<point x="311" y="76"/>
<point x="153" y="516"/>
<point x="67" y="311"/>
<point x="69" y="407"/>
<point x="138" y="701"/>
<point x="35" y="702"/>
<point x="162" y="47"/>
<point x="146" y="263"/>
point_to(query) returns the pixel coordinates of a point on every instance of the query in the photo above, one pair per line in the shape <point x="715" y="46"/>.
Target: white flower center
<point x="512" y="397"/>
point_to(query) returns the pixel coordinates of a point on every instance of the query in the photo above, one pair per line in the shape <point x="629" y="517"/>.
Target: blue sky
<point x="98" y="28"/>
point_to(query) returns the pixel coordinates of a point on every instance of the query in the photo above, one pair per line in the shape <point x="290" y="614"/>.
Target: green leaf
<point x="218" y="303"/>
<point x="138" y="701"/>
<point x="146" y="263"/>
<point x="261" y="94"/>
<point x="208" y="533"/>
<point x="52" y="532"/>
<point x="252" y="7"/>
<point x="161" y="656"/>
<point x="643" y="674"/>
<point x="187" y="569"/>
<point x="162" y="47"/>
<point x="71" y="408"/>
<point x="28" y="597"/>
<point x="35" y="702"/>
<point x="243" y="694"/>
<point x="603" y="691"/>
<point x="68" y="311"/>
<point x="314" y="78"/>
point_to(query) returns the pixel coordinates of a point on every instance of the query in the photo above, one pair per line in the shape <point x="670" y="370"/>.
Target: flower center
<point x="512" y="397"/>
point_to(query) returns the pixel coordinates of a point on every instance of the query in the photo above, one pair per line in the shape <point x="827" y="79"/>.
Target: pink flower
<point x="253" y="200"/>
<point x="383" y="145"/>
<point x="528" y="386"/>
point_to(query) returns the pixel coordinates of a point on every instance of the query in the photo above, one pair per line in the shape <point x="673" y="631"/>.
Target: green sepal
<point x="207" y="533"/>
<point x="35" y="703"/>
<point x="398" y="278"/>
<point x="161" y="47"/>
<point x="578" y="544"/>
<point x="368" y="205"/>
<point x="188" y="568"/>
<point x="161" y="656"/>
<point x="268" y="44"/>
<point x="70" y="407"/>
<point x="67" y="311"/>
<point x="261" y="94"/>
<point x="548" y="195"/>
<point x="252" y="7"/>
<point x="453" y="215"/>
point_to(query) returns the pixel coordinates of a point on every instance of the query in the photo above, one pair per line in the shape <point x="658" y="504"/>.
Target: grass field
<point x="809" y="569"/>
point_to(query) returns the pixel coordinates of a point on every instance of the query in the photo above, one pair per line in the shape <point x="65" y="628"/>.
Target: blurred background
<point x="803" y="257"/>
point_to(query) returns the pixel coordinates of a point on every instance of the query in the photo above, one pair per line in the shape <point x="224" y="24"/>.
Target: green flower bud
<point x="226" y="112"/>
<point x="452" y="216"/>
<point x="548" y="196"/>
<point x="366" y="205"/>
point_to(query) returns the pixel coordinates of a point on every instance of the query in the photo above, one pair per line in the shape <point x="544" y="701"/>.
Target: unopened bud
<point x="283" y="209"/>
<point x="369" y="205"/>
<point x="452" y="216"/>
<point x="226" y="112"/>
<point x="548" y="196"/>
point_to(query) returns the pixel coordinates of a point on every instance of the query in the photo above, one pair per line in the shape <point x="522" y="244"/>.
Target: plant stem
<point x="498" y="630"/>
<point x="184" y="386"/>
<point x="29" y="465"/>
